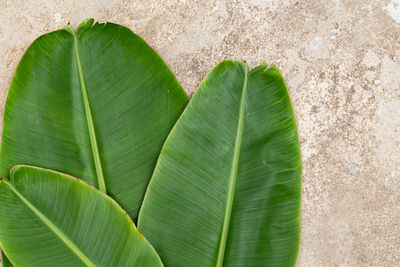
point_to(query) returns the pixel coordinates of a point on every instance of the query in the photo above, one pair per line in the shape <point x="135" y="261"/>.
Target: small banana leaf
<point x="5" y="262"/>
<point x="52" y="219"/>
<point x="226" y="188"/>
<point x="96" y="104"/>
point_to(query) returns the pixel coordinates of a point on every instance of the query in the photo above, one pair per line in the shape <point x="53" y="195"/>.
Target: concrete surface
<point x="341" y="61"/>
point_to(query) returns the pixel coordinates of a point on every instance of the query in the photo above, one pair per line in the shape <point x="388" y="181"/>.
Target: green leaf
<point x="97" y="104"/>
<point x="226" y="188"/>
<point x="5" y="262"/>
<point x="52" y="219"/>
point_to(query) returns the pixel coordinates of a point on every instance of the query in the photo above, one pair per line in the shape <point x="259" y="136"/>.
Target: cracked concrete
<point x="341" y="62"/>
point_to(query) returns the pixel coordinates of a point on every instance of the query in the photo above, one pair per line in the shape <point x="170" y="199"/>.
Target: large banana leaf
<point x="52" y="219"/>
<point x="97" y="104"/>
<point x="226" y="188"/>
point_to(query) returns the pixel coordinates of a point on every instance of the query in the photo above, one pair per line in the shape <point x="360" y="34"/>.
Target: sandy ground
<point x="341" y="62"/>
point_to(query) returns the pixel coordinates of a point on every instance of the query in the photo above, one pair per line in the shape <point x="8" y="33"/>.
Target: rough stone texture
<point x="341" y="62"/>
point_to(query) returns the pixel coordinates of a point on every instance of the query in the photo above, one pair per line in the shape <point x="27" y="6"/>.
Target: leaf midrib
<point x="68" y="242"/>
<point x="233" y="174"/>
<point x="89" y="119"/>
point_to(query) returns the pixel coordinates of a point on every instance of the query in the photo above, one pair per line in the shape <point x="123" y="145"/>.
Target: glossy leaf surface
<point x="226" y="188"/>
<point x="52" y="219"/>
<point x="97" y="104"/>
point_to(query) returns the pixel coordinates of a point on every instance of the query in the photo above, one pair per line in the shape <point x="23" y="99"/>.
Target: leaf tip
<point x="69" y="28"/>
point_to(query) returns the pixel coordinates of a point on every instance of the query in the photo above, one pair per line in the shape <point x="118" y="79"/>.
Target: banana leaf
<point x="53" y="219"/>
<point x="226" y="189"/>
<point x="96" y="104"/>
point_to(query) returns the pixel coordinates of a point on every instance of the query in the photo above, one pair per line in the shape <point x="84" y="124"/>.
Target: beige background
<point x="341" y="62"/>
